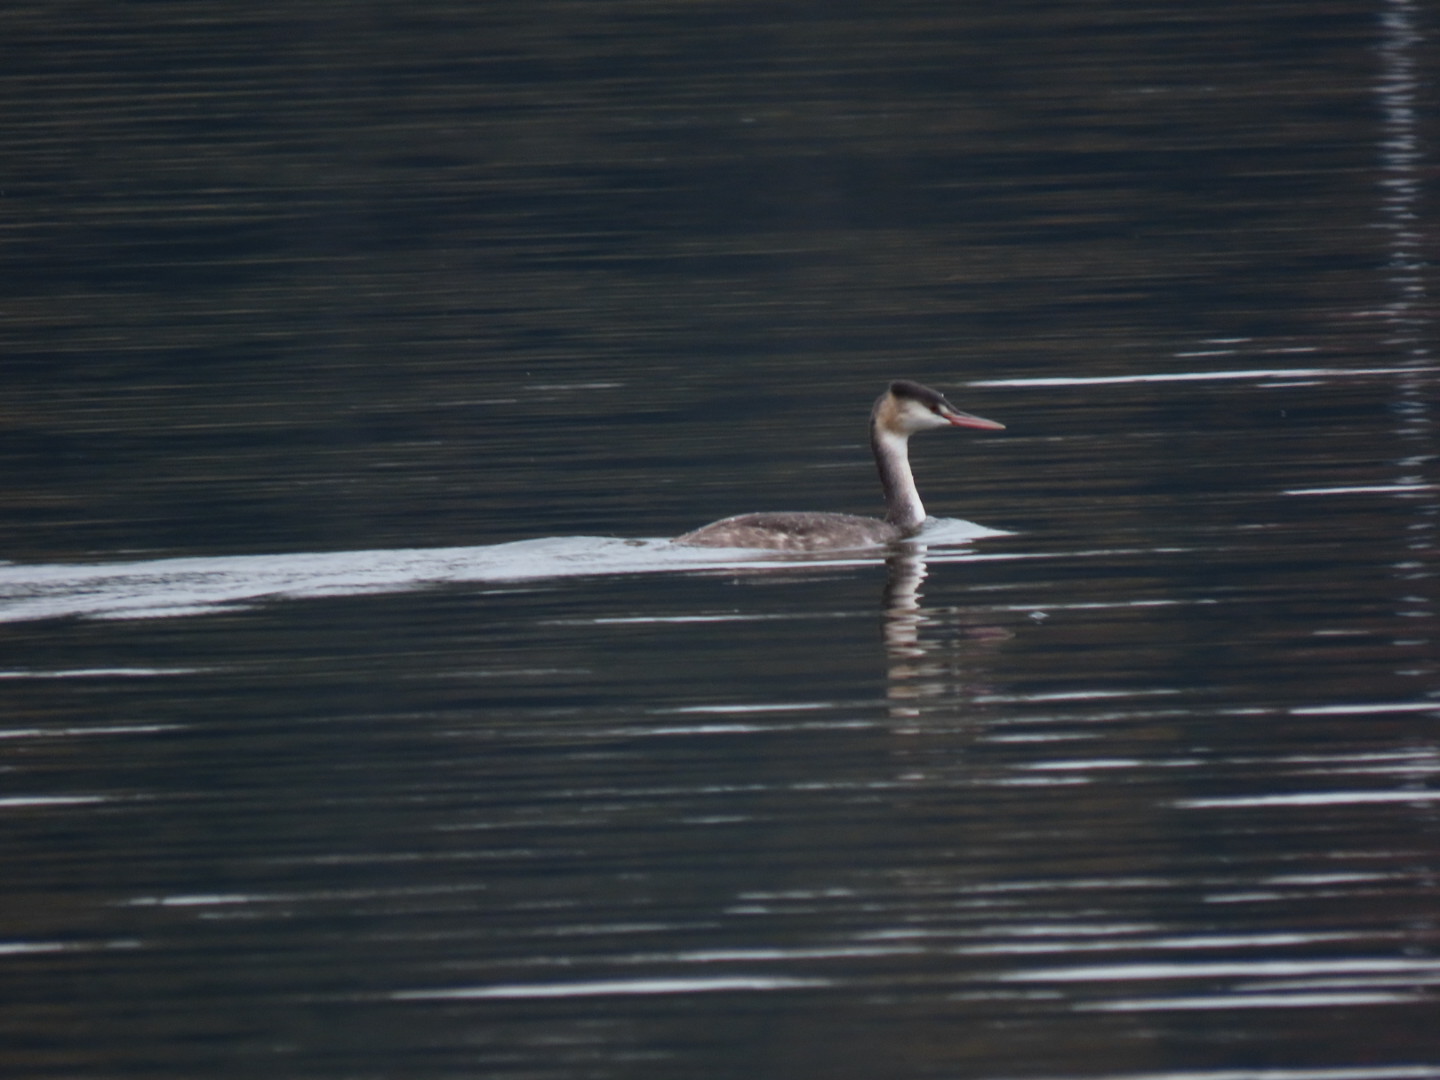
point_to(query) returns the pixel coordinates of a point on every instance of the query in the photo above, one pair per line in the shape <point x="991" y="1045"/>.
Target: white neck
<point x="892" y="456"/>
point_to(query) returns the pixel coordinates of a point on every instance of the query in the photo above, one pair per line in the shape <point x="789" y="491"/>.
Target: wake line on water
<point x="168" y="588"/>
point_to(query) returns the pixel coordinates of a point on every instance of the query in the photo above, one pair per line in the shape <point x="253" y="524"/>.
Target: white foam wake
<point x="190" y="586"/>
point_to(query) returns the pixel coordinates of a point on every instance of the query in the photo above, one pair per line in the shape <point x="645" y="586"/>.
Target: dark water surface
<point x="358" y="722"/>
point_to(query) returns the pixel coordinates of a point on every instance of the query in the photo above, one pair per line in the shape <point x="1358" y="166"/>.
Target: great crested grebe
<point x="905" y="408"/>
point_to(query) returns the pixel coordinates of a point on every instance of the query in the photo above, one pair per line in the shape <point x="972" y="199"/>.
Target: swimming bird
<point x="905" y="408"/>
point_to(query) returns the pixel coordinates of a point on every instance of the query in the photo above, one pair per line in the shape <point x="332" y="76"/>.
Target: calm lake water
<point x="360" y="722"/>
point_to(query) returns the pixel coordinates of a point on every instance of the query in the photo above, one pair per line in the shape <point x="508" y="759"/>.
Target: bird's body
<point x="795" y="530"/>
<point x="905" y="408"/>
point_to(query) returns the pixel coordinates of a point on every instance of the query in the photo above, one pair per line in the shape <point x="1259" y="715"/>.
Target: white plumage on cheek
<point x="910" y="417"/>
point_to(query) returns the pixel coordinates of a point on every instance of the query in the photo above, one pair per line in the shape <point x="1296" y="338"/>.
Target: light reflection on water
<point x="344" y="738"/>
<point x="983" y="780"/>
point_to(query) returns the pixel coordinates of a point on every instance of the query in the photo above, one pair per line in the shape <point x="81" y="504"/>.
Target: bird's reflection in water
<point x="931" y="654"/>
